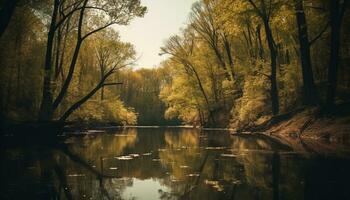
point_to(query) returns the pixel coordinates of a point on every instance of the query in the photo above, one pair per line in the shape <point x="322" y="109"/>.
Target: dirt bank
<point x="307" y="130"/>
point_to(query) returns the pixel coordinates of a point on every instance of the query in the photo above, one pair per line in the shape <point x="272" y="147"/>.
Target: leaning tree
<point x="83" y="18"/>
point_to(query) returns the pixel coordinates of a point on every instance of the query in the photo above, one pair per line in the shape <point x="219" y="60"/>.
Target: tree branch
<point x="97" y="30"/>
<point x="66" y="16"/>
<point x="111" y="84"/>
<point x="91" y="93"/>
<point x="319" y="35"/>
<point x="316" y="8"/>
<point x="256" y="8"/>
<point x="266" y="75"/>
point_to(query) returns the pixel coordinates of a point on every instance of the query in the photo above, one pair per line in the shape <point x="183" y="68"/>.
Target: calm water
<point x="171" y="164"/>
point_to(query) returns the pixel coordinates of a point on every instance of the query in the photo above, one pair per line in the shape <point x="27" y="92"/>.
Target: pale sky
<point x="163" y="19"/>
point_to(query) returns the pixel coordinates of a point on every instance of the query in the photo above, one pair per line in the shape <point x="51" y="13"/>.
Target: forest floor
<point x="307" y="130"/>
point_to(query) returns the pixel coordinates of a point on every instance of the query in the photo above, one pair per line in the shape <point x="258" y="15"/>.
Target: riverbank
<point x="307" y="124"/>
<point x="310" y="130"/>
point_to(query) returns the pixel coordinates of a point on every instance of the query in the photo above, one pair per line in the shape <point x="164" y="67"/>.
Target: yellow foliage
<point x="111" y="110"/>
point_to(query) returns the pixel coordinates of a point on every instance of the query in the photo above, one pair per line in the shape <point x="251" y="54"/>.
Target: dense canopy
<point x="235" y="63"/>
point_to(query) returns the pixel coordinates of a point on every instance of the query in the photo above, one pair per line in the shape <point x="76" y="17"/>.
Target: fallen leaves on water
<point x="229" y="155"/>
<point x="124" y="158"/>
<point x="214" y="148"/>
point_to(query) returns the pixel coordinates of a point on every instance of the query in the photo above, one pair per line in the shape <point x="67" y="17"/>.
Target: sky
<point x="163" y="19"/>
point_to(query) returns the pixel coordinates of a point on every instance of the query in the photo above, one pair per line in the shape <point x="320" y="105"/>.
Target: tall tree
<point x="181" y="50"/>
<point x="337" y="10"/>
<point x="264" y="11"/>
<point x="203" y="22"/>
<point x="6" y="11"/>
<point x="310" y="96"/>
<point x="109" y="13"/>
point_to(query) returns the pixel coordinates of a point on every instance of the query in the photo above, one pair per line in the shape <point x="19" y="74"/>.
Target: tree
<point x="105" y="52"/>
<point x="337" y="10"/>
<point x="310" y="96"/>
<point x="6" y="11"/>
<point x="100" y="85"/>
<point x="264" y="11"/>
<point x="204" y="23"/>
<point x="113" y="12"/>
<point x="181" y="51"/>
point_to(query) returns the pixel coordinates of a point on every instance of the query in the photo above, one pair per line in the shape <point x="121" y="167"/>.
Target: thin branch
<point x="111" y="84"/>
<point x="256" y="8"/>
<point x="66" y="16"/>
<point x="261" y="73"/>
<point x="81" y="20"/>
<point x="91" y="93"/>
<point x="97" y="30"/>
<point x="316" y="8"/>
<point x="319" y="35"/>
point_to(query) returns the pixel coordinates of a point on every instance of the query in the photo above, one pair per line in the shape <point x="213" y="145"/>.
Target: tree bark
<point x="260" y="46"/>
<point x="273" y="76"/>
<point x="6" y="13"/>
<point x="80" y="102"/>
<point x="336" y="15"/>
<point x="189" y="66"/>
<point x="310" y="95"/>
<point x="66" y="83"/>
<point x="73" y="63"/>
<point x="46" y="112"/>
<point x="76" y="105"/>
<point x="265" y="17"/>
<point x="228" y="50"/>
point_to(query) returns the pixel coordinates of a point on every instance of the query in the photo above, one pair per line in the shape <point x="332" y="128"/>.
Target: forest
<point x="234" y="64"/>
<point x="249" y="99"/>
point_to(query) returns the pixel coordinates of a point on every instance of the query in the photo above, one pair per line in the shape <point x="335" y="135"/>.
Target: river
<point x="170" y="163"/>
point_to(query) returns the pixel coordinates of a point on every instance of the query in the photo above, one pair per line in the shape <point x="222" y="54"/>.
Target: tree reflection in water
<point x="170" y="164"/>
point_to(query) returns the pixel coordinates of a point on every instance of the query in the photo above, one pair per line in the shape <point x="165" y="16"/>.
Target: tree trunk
<point x="46" y="112"/>
<point x="221" y="61"/>
<point x="310" y="96"/>
<point x="69" y="78"/>
<point x="336" y="15"/>
<point x="6" y="13"/>
<point x="76" y="105"/>
<point x="102" y="93"/>
<point x="18" y="47"/>
<point x="200" y="85"/>
<point x="80" y="102"/>
<point x="260" y="46"/>
<point x="227" y="46"/>
<point x="273" y="57"/>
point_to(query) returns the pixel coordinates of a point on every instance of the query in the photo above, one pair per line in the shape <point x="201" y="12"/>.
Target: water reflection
<point x="171" y="164"/>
